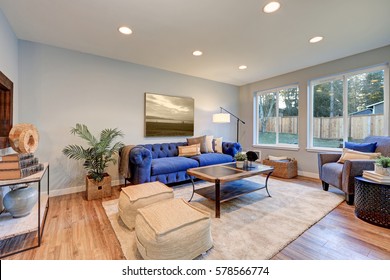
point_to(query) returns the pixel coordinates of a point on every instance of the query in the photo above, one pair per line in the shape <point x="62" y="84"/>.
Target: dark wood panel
<point x="6" y="109"/>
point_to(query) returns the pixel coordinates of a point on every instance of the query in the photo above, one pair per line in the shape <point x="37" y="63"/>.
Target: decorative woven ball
<point x="24" y="138"/>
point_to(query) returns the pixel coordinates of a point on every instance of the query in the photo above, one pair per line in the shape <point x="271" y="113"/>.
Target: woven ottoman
<point x="172" y="230"/>
<point x="134" y="197"/>
<point x="283" y="168"/>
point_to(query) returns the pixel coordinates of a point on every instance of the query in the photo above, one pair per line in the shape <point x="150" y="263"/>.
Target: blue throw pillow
<point x="361" y="147"/>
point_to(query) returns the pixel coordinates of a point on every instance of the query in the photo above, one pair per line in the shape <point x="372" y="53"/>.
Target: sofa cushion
<point x="172" y="164"/>
<point x="199" y="140"/>
<point x="209" y="143"/>
<point x="212" y="158"/>
<point x="217" y="145"/>
<point x="361" y="147"/>
<point x="352" y="154"/>
<point x="189" y="151"/>
<point x="382" y="146"/>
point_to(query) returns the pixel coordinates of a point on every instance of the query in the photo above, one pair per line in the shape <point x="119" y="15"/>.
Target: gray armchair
<point x="342" y="175"/>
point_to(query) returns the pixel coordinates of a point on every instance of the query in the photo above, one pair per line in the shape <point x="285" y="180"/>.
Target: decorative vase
<point x="382" y="170"/>
<point x="19" y="201"/>
<point x="240" y="164"/>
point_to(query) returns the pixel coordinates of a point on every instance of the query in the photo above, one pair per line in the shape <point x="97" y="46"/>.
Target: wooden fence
<point x="360" y="126"/>
<point x="287" y="125"/>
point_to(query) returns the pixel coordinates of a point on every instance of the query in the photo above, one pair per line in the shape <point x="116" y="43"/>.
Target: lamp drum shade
<point x="221" y="118"/>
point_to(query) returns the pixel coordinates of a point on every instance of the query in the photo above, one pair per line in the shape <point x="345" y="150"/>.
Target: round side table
<point x="372" y="201"/>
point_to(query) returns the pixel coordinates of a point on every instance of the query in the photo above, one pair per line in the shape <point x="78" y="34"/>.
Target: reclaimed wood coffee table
<point x="228" y="181"/>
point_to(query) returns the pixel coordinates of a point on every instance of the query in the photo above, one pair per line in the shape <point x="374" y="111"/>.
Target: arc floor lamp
<point x="225" y="118"/>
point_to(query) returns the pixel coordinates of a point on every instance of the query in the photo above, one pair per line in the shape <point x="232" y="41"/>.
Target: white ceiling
<point x="229" y="32"/>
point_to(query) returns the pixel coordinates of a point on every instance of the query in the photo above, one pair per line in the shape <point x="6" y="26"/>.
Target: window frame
<point x="344" y="77"/>
<point x="256" y="125"/>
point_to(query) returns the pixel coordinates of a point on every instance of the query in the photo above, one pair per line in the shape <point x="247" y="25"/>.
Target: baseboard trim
<point x="78" y="189"/>
<point x="309" y="174"/>
<point x="67" y="191"/>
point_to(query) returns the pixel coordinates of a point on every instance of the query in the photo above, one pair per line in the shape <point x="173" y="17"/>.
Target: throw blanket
<point x="123" y="166"/>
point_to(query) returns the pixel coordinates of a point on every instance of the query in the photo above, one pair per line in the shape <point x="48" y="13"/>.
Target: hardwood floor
<point x="340" y="235"/>
<point x="78" y="229"/>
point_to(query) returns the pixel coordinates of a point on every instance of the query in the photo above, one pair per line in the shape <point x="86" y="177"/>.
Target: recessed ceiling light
<point x="316" y="39"/>
<point x="242" y="67"/>
<point x="271" y="7"/>
<point x="125" y="30"/>
<point x="197" y="53"/>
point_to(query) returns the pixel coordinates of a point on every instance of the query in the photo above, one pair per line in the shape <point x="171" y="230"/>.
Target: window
<point x="276" y="117"/>
<point x="347" y="107"/>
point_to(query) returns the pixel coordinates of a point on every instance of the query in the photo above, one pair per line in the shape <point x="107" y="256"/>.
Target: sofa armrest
<point x="326" y="158"/>
<point x="140" y="165"/>
<point x="353" y="168"/>
<point x="231" y="148"/>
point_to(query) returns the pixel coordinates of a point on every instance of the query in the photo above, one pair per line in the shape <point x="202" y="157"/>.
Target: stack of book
<point x="373" y="176"/>
<point x="17" y="166"/>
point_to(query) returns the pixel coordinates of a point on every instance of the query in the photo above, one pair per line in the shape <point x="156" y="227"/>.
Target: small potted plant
<point x="240" y="158"/>
<point x="96" y="158"/>
<point x="382" y="165"/>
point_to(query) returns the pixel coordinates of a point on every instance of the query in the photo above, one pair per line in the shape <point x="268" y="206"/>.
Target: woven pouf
<point x="134" y="197"/>
<point x="172" y="230"/>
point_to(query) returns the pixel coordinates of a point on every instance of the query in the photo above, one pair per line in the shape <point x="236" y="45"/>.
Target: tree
<point x="266" y="108"/>
<point x="290" y="99"/>
<point x="364" y="90"/>
<point x="328" y="99"/>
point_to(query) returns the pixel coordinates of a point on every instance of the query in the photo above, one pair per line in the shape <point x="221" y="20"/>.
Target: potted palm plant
<point x="99" y="153"/>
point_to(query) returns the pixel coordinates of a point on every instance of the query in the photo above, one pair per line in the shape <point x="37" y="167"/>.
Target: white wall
<point x="307" y="161"/>
<point x="59" y="88"/>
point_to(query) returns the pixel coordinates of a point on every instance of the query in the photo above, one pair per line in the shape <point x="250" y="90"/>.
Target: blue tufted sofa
<point x="160" y="162"/>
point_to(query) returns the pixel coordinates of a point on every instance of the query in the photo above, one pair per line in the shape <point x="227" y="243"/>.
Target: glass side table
<point x="35" y="221"/>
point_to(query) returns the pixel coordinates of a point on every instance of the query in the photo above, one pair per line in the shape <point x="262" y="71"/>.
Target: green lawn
<point x="287" y="138"/>
<point x="284" y="138"/>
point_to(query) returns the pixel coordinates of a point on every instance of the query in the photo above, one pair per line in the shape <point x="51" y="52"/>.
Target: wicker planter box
<point x="96" y="190"/>
<point x="283" y="168"/>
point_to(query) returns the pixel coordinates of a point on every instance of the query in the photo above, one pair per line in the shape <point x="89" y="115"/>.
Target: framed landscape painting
<point x="167" y="115"/>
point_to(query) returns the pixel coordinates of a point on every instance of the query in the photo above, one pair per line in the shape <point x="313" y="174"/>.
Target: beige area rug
<point x="253" y="226"/>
